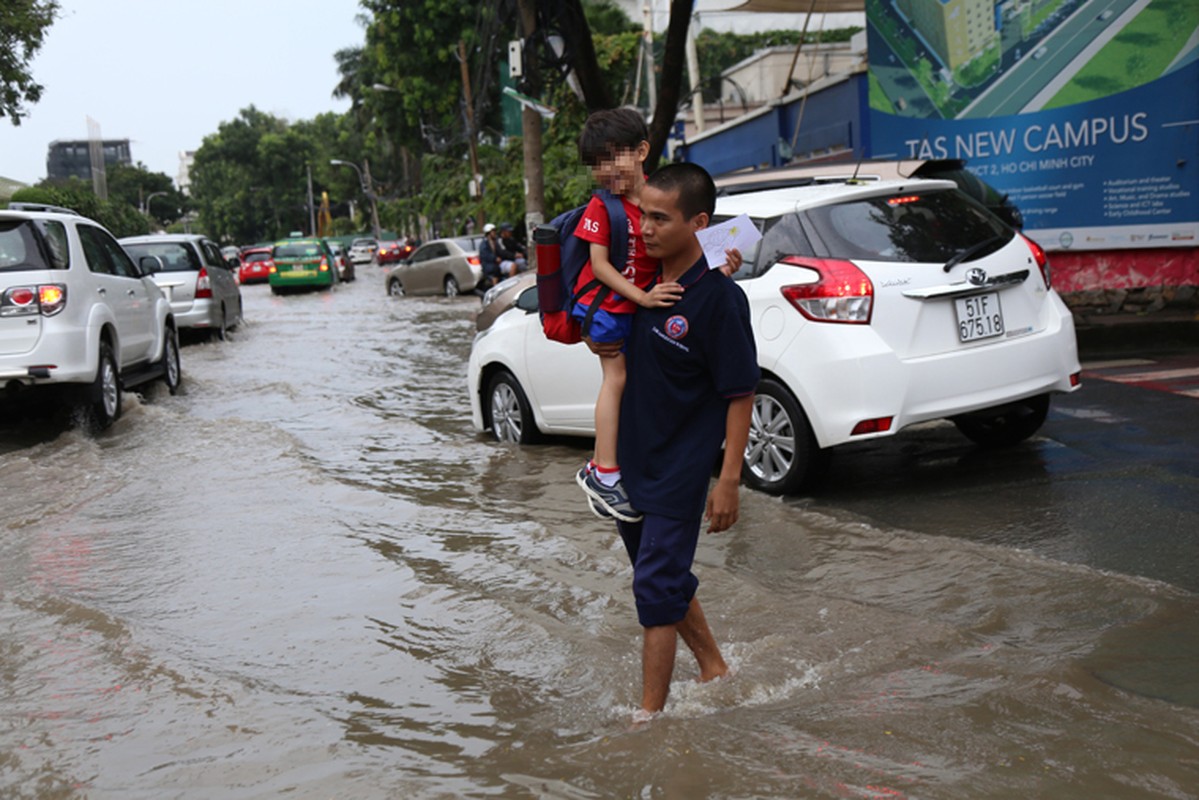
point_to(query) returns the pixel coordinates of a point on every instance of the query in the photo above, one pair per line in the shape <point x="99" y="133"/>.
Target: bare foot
<point x="713" y="671"/>
<point x="642" y="717"/>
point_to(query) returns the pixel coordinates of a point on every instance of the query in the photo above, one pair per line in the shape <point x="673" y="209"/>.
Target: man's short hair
<point x="697" y="191"/>
<point x="609" y="131"/>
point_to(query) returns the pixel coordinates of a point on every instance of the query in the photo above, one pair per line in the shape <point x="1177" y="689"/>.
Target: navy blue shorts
<point x="662" y="551"/>
<point x="605" y="327"/>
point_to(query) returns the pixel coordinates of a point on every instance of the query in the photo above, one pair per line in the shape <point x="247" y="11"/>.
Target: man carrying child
<point x="691" y="373"/>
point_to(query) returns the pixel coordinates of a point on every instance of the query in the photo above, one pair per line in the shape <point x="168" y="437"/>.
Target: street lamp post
<point x="149" y="197"/>
<point x="364" y="182"/>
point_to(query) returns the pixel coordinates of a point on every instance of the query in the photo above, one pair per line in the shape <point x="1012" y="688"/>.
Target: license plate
<point x="979" y="317"/>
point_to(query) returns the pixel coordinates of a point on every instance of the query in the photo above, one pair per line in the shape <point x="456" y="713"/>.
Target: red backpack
<point x="561" y="257"/>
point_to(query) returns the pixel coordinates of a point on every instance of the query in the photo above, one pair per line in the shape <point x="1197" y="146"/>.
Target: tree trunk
<point x="670" y="87"/>
<point x="577" y="34"/>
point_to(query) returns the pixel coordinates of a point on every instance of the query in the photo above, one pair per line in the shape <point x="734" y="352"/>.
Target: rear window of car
<point x="251" y="258"/>
<point x="33" y="245"/>
<point x="298" y="250"/>
<point x="175" y="256"/>
<point x="926" y="227"/>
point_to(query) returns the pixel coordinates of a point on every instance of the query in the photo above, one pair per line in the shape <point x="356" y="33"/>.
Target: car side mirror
<point x="149" y="264"/>
<point x="527" y="300"/>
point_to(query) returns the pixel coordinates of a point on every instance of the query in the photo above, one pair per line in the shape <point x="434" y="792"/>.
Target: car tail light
<point x="1075" y="378"/>
<point x="843" y="293"/>
<point x="877" y="425"/>
<point x="52" y="297"/>
<point x="271" y="267"/>
<point x="324" y="265"/>
<point x="473" y="261"/>
<point x="46" y="299"/>
<point x="22" y="296"/>
<point x="203" y="284"/>
<point x="1038" y="253"/>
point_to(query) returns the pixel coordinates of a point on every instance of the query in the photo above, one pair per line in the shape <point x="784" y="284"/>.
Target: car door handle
<point x="102" y="291"/>
<point x="131" y="293"/>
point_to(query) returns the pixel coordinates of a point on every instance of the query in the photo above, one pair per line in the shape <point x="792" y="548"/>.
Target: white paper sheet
<point x="738" y="232"/>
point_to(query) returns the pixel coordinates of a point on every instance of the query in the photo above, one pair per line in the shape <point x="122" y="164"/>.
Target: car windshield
<point x="924" y="227"/>
<point x="175" y="256"/>
<point x="21" y="245"/>
<point x="298" y="250"/>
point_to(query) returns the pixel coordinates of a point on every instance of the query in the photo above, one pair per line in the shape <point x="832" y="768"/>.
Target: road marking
<point x="1158" y="375"/>
<point x="1173" y="378"/>
<point x="1119" y="362"/>
<point x="1090" y="414"/>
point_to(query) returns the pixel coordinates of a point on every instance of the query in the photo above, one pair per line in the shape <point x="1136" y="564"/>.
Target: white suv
<point x="874" y="307"/>
<point x="362" y="251"/>
<point x="76" y="310"/>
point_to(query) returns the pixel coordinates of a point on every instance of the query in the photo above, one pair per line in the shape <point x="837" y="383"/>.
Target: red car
<point x="256" y="265"/>
<point x="394" y="252"/>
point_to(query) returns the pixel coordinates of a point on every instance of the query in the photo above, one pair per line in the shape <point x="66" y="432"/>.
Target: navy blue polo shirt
<point x="684" y="364"/>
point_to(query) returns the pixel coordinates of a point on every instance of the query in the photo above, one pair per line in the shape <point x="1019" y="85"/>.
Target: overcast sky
<point x="165" y="73"/>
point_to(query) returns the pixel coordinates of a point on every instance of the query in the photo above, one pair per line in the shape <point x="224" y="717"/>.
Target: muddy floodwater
<point x="307" y="576"/>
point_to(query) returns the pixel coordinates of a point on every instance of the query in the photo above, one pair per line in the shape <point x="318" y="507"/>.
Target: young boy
<point x="692" y="372"/>
<point x="614" y="143"/>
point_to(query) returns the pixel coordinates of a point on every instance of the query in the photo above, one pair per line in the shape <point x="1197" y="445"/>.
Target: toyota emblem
<point x="977" y="276"/>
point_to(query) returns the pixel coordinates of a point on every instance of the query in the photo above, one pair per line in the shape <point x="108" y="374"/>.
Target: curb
<point x="1128" y="334"/>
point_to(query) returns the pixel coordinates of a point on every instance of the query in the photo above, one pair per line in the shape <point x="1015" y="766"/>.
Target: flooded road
<point x="307" y="575"/>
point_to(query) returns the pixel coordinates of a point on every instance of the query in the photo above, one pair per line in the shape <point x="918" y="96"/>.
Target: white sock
<point x="608" y="477"/>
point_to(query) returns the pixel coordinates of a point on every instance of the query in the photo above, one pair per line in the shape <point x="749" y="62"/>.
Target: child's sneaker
<point x="597" y="509"/>
<point x="581" y="479"/>
<point x="609" y="498"/>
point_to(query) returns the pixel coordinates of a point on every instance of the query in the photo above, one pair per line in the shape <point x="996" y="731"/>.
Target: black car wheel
<point x="511" y="415"/>
<point x="782" y="455"/>
<point x="451" y="286"/>
<point x="395" y="287"/>
<point x="100" y="404"/>
<point x="221" y="331"/>
<point x="1013" y="425"/>
<point x="172" y="374"/>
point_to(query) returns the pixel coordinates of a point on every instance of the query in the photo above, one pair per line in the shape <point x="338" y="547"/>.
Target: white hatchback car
<point x="75" y="310"/>
<point x="874" y="307"/>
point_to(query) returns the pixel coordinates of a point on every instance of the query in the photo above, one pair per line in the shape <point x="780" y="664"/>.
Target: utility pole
<point x="369" y="187"/>
<point x="476" y="176"/>
<point x="530" y="124"/>
<point x="697" y="89"/>
<point x="648" y="38"/>
<point x="311" y="207"/>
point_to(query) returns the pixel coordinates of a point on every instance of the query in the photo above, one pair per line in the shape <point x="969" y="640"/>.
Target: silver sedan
<point x="442" y="266"/>
<point x="200" y="283"/>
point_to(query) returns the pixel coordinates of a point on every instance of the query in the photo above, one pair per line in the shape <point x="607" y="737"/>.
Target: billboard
<point x="1086" y="112"/>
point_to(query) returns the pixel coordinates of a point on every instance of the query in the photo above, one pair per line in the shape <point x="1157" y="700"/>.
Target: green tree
<point x="120" y="218"/>
<point x="23" y="25"/>
<point x="133" y="184"/>
<point x="249" y="180"/>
